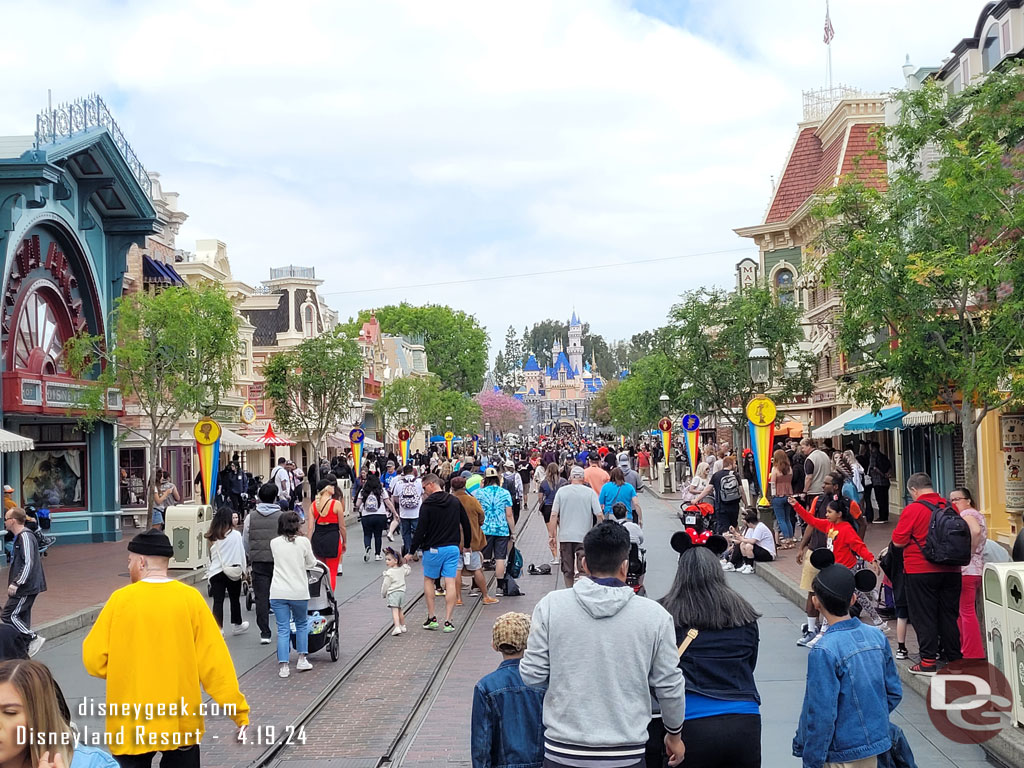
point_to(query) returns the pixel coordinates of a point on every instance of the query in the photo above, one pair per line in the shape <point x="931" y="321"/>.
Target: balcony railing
<point x="819" y="103"/>
<point x="305" y="273"/>
<point x="66" y="120"/>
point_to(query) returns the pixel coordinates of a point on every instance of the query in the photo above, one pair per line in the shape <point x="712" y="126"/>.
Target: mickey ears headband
<point x="863" y="580"/>
<point x="684" y="540"/>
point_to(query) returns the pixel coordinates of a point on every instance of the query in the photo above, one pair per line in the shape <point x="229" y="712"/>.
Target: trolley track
<point x="282" y="751"/>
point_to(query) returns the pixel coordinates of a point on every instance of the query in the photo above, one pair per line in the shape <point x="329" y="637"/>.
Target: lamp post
<point x="759" y="361"/>
<point x="448" y="423"/>
<point x="355" y="411"/>
<point x="487" y="431"/>
<point x="761" y="417"/>
<point x="403" y="418"/>
<point x="665" y="425"/>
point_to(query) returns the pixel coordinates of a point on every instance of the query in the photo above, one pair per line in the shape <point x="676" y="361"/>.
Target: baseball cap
<point x="491" y="472"/>
<point x="8" y="489"/>
<point x="510" y="632"/>
<point x="623" y="459"/>
<point x="510" y="464"/>
<point x="577" y="472"/>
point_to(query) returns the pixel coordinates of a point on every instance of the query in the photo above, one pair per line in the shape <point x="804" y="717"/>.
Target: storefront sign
<point x="824" y="397"/>
<point x="1012" y="429"/>
<point x="63" y="395"/>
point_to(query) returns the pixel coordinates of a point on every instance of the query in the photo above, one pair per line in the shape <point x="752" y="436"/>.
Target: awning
<point x="12" y="443"/>
<point x="154" y="271"/>
<point x="790" y="429"/>
<point x="838" y="425"/>
<point x="270" y="438"/>
<point x="925" y="418"/>
<point x="230" y="439"/>
<point x="887" y="418"/>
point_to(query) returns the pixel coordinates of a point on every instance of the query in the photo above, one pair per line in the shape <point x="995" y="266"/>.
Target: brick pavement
<point x="443" y="737"/>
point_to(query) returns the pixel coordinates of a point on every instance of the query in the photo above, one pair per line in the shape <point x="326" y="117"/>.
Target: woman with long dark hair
<point x="227" y="561"/>
<point x="548" y="488"/>
<point x="723" y="714"/>
<point x="289" y="590"/>
<point x="326" y="532"/>
<point x="373" y="504"/>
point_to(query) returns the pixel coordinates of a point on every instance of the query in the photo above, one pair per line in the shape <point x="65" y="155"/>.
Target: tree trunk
<point x="153" y="485"/>
<point x="970" y="423"/>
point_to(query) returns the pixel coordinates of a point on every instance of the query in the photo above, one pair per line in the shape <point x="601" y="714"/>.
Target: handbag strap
<point x="691" y="635"/>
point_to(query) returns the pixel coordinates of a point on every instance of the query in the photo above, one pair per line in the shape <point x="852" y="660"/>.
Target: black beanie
<point x="153" y="542"/>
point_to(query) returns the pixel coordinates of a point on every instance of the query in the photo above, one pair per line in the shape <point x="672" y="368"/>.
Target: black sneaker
<point x="366" y="555"/>
<point x="919" y="669"/>
<point x="431" y="623"/>
<point x="902" y="654"/>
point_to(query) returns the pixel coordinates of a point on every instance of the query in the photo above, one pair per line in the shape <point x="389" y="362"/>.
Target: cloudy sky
<point x="495" y="156"/>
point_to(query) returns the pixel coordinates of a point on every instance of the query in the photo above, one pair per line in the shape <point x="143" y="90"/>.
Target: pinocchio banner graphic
<point x="403" y="446"/>
<point x="761" y="418"/>
<point x="476" y="444"/>
<point x="665" y="425"/>
<point x="207" y="433"/>
<point x="691" y="432"/>
<point x="356" y="437"/>
<point x="449" y="438"/>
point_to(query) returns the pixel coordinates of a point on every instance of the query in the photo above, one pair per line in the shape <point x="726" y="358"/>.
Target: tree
<point x="174" y="355"/>
<point x="710" y="335"/>
<point x="504" y="412"/>
<point x="930" y="265"/>
<point x="500" y="372"/>
<point x="463" y="409"/>
<point x="513" y="360"/>
<point x="417" y="394"/>
<point x="635" y="404"/>
<point x="454" y="342"/>
<point x="542" y="336"/>
<point x="312" y="385"/>
<point x="600" y="408"/>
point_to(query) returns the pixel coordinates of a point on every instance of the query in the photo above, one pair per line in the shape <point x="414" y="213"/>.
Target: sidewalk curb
<point x="1006" y="748"/>
<point x="65" y="625"/>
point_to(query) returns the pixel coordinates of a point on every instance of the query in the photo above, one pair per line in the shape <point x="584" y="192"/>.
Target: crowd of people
<point x="668" y="678"/>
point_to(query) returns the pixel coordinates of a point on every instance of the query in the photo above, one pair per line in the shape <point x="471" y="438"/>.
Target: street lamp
<point x="448" y="423"/>
<point x="760" y="366"/>
<point x="487" y="431"/>
<point x="663" y="403"/>
<point x="355" y="411"/>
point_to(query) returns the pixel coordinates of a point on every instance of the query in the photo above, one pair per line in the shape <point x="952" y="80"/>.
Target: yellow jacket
<point x="155" y="643"/>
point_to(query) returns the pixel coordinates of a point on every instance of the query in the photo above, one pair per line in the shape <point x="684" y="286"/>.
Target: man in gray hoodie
<point x="602" y="651"/>
<point x="259" y="529"/>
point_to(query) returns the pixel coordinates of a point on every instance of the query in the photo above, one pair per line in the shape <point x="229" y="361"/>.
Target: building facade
<point x="74" y="199"/>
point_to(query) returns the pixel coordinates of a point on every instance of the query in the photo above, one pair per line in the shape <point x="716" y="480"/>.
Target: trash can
<point x="1015" y="637"/>
<point x="186" y="526"/>
<point x="994" y="604"/>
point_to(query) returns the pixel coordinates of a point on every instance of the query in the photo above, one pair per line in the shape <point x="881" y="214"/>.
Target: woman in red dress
<point x="326" y="532"/>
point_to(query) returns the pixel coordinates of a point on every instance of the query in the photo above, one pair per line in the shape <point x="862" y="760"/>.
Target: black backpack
<point x="949" y="538"/>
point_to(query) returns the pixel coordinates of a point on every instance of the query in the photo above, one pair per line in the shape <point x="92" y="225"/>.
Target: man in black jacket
<point x="438" y="535"/>
<point x="25" y="578"/>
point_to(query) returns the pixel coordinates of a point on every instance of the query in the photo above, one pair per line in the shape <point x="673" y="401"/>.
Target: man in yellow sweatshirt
<point x="154" y="703"/>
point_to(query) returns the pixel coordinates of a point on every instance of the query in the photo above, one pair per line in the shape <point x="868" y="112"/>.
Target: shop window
<point x="132" y="462"/>
<point x="990" y="50"/>
<point x="54" y="478"/>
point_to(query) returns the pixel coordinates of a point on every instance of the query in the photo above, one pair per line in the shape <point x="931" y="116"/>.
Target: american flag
<point x="829" y="30"/>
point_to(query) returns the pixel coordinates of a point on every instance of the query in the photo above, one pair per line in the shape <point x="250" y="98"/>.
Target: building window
<point x="54" y="478"/>
<point x="965" y="72"/>
<point x="990" y="50"/>
<point x="132" y="473"/>
<point x="1006" y="39"/>
<point x="245" y="359"/>
<point x="307" y="320"/>
<point x="784" y="292"/>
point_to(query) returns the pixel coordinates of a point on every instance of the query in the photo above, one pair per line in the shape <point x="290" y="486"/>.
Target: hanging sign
<point x="207" y="434"/>
<point x="356" y="437"/>
<point x="403" y="446"/>
<point x="449" y="437"/>
<point x="665" y="425"/>
<point x="691" y="431"/>
<point x="761" y="418"/>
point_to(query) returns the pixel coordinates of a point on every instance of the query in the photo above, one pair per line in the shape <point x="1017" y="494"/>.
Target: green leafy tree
<point x="930" y="265"/>
<point x="513" y="360"/>
<point x="464" y="410"/>
<point x="454" y="341"/>
<point x="710" y="336"/>
<point x="174" y="356"/>
<point x="312" y="385"/>
<point x="600" y="408"/>
<point x="500" y="372"/>
<point x="635" y="403"/>
<point x="542" y="335"/>
<point x="417" y="394"/>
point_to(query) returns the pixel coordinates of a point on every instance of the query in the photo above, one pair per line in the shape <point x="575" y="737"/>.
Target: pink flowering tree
<point x="504" y="412"/>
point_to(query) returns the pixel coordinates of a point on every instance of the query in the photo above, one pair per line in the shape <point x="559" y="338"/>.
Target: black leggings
<point x="374" y="527"/>
<point x="219" y="584"/>
<point x="722" y="741"/>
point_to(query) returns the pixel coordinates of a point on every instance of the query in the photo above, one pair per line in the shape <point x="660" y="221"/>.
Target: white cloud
<point x="396" y="143"/>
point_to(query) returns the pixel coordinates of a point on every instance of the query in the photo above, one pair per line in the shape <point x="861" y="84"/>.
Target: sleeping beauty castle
<point x="560" y="395"/>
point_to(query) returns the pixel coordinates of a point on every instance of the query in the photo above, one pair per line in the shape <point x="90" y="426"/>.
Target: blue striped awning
<point x="887" y="418"/>
<point x="154" y="271"/>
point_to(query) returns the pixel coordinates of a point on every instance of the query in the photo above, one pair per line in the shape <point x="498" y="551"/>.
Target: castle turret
<point x="575" y="348"/>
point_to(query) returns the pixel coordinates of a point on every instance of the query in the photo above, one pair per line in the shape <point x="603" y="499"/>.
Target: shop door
<point x="178" y="461"/>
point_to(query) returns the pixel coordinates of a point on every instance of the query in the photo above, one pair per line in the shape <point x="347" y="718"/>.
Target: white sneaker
<point x="35" y="645"/>
<point x="237" y="629"/>
<point x="391" y="537"/>
<point x="378" y="557"/>
<point x="283" y="671"/>
<point x="266" y="640"/>
<point x="404" y="629"/>
<point x="745" y="569"/>
<point x="814" y="641"/>
<point x="396" y="631"/>
<point x="303" y="664"/>
<point x="554" y="561"/>
<point x="727" y="566"/>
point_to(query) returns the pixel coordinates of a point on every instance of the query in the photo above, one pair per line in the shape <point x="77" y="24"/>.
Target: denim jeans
<point x="784" y="514"/>
<point x="287" y="611"/>
<point x="408" y="531"/>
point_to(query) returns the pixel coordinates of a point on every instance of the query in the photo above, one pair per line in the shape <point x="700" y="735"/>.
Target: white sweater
<point x="228" y="551"/>
<point x="291" y="561"/>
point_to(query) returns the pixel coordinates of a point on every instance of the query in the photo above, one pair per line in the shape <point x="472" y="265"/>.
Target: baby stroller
<point x="636" y="569"/>
<point x="699" y="517"/>
<point x="323" y="613"/>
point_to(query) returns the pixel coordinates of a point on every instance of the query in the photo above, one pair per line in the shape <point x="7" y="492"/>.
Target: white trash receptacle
<point x="186" y="526"/>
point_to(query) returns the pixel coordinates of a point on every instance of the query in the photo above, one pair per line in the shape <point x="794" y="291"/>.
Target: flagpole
<point x="828" y="16"/>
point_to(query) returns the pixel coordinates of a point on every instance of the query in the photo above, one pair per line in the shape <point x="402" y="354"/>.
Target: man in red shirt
<point x="594" y="475"/>
<point x="933" y="591"/>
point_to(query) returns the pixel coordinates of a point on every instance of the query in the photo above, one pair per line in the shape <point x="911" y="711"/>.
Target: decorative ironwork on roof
<point x="66" y="120"/>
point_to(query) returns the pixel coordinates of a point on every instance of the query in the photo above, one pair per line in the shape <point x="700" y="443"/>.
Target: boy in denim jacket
<point x="508" y="722"/>
<point x="852" y="683"/>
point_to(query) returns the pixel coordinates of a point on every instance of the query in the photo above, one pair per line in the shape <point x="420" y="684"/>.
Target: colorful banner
<point x="207" y="434"/>
<point x="691" y="433"/>
<point x="665" y="425"/>
<point x="449" y="438"/>
<point x="761" y="418"/>
<point x="622" y="441"/>
<point x="404" y="437"/>
<point x="476" y="444"/>
<point x="356" y="437"/>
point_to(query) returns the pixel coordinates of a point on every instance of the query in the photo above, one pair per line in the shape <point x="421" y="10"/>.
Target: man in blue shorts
<point x="438" y="536"/>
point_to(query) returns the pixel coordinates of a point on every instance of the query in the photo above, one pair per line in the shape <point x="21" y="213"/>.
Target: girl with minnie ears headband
<point x="842" y="538"/>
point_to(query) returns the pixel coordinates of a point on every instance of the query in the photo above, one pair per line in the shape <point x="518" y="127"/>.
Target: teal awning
<point x="887" y="418"/>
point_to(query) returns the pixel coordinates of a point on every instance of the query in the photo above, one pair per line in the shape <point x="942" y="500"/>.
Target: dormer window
<point x="965" y="73"/>
<point x="307" y="320"/>
<point x="990" y="53"/>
